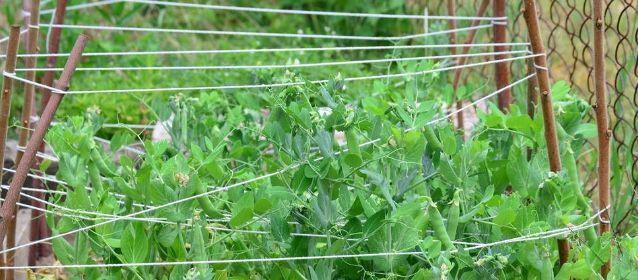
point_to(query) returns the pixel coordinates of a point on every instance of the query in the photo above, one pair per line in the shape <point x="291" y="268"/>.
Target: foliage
<point x="405" y="192"/>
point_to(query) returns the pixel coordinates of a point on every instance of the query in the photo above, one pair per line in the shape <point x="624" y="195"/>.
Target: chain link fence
<point x="568" y="34"/>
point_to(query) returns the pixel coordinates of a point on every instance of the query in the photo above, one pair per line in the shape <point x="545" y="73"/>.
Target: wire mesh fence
<point x="568" y="31"/>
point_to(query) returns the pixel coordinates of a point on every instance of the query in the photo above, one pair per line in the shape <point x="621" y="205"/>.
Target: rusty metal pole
<point x="38" y="220"/>
<point x="8" y="208"/>
<point x="7" y="86"/>
<point x="602" y="123"/>
<point x="549" y="121"/>
<point x="33" y="31"/>
<point x="502" y="68"/>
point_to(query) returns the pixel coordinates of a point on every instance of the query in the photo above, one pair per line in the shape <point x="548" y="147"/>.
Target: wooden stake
<point x="549" y="121"/>
<point x="462" y="60"/>
<point x="5" y="110"/>
<point x="33" y="31"/>
<point x="502" y="68"/>
<point x="8" y="208"/>
<point x="470" y="38"/>
<point x="602" y="123"/>
<point x="451" y="7"/>
<point x="38" y="221"/>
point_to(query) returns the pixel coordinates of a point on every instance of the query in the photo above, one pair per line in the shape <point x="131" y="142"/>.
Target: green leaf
<point x="300" y="183"/>
<point x="120" y="139"/>
<point x="262" y="206"/>
<point x="243" y="210"/>
<point x="324" y="141"/>
<point x="135" y="243"/>
<point x="448" y="139"/>
<point x="587" y="130"/>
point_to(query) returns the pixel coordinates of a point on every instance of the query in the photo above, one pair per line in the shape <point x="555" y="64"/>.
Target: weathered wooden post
<point x="33" y="32"/>
<point x="501" y="68"/>
<point x="549" y="121"/>
<point x="5" y="110"/>
<point x="8" y="207"/>
<point x="602" y="123"/>
<point x="39" y="227"/>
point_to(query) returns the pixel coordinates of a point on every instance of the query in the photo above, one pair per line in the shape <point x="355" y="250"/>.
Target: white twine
<point x="541" y="67"/>
<point x="262" y="34"/>
<point x="216" y="190"/>
<point x="26" y="81"/>
<point x="536" y="236"/>
<point x="307" y="12"/>
<point x="278" y="66"/>
<point x="384" y="76"/>
<point x="7" y="39"/>
<point x="84" y="6"/>
<point x="39" y="154"/>
<point x="276" y="50"/>
<point x="103" y="216"/>
<point x="80" y="211"/>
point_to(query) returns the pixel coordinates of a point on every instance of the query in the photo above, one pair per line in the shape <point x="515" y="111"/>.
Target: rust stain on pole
<point x="39" y="227"/>
<point x="7" y="86"/>
<point x="549" y="121"/>
<point x="602" y="123"/>
<point x="502" y="68"/>
<point x="8" y="208"/>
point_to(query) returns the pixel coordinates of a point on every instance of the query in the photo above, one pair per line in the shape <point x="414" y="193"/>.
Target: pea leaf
<point x="135" y="243"/>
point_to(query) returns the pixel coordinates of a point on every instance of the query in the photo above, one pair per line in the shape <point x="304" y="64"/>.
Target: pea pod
<point x="204" y="202"/>
<point x="469" y="216"/>
<point x="572" y="172"/>
<point x="453" y="215"/>
<point x="101" y="164"/>
<point x="96" y="180"/>
<point x="96" y="183"/>
<point x="438" y="226"/>
<point x="430" y="136"/>
<point x="351" y="140"/>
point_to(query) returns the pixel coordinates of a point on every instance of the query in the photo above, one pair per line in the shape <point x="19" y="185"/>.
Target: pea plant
<point x="360" y="185"/>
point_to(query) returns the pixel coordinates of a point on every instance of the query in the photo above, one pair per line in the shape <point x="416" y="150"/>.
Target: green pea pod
<point x="204" y="202"/>
<point x="351" y="140"/>
<point x="572" y="172"/>
<point x="101" y="165"/>
<point x="96" y="180"/>
<point x="96" y="183"/>
<point x="430" y="136"/>
<point x="438" y="226"/>
<point x="453" y="215"/>
<point x="469" y="216"/>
